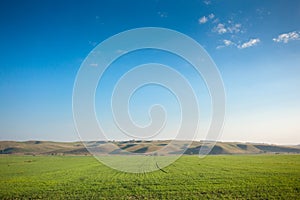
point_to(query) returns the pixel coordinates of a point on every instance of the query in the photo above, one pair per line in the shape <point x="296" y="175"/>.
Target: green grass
<point x="214" y="177"/>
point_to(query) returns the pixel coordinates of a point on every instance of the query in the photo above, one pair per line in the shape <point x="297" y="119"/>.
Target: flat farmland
<point x="213" y="177"/>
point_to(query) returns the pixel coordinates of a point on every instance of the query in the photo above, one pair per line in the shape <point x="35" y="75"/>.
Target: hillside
<point x="77" y="148"/>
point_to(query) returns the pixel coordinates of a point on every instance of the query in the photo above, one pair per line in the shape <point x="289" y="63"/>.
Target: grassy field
<point x="213" y="177"/>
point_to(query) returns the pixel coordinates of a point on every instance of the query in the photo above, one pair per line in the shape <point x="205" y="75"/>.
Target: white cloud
<point x="203" y="20"/>
<point x="211" y="16"/>
<point x="286" y="37"/>
<point x="250" y="43"/>
<point x="229" y="28"/>
<point x="228" y="42"/>
<point x="220" y="28"/>
<point x="236" y="28"/>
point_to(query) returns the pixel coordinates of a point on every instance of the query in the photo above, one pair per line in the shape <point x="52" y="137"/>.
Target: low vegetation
<point x="213" y="177"/>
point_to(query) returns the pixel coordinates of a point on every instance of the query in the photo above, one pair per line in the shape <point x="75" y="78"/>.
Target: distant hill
<point x="77" y="148"/>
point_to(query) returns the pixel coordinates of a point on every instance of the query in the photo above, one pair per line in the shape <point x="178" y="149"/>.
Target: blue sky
<point x="255" y="44"/>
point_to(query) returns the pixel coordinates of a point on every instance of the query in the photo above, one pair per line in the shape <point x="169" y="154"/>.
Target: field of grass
<point x="213" y="177"/>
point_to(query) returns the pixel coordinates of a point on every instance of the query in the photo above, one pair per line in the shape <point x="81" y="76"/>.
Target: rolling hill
<point x="77" y="148"/>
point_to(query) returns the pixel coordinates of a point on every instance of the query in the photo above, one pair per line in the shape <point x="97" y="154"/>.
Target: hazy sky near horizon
<point x="255" y="44"/>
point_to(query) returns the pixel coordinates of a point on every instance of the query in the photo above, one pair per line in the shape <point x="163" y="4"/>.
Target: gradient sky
<point x="255" y="44"/>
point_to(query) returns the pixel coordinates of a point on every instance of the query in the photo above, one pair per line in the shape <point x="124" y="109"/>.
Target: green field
<point x="213" y="177"/>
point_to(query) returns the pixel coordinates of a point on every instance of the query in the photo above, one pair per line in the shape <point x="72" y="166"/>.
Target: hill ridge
<point x="36" y="147"/>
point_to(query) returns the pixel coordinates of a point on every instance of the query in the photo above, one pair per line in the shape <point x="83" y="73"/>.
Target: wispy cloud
<point x="250" y="43"/>
<point x="286" y="37"/>
<point x="226" y="43"/>
<point x="234" y="28"/>
<point x="203" y="20"/>
<point x="231" y="28"/>
<point x="220" y="28"/>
